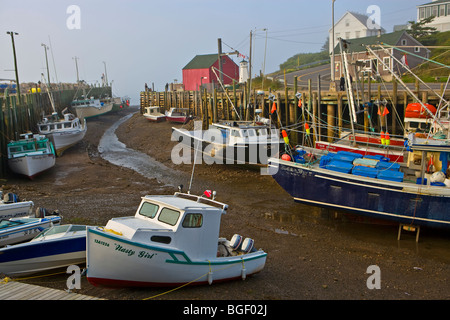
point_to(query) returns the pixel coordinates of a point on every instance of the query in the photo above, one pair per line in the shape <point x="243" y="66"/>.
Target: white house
<point x="353" y="26"/>
<point x="438" y="8"/>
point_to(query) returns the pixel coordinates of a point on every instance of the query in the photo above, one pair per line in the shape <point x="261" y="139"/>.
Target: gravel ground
<point x="313" y="254"/>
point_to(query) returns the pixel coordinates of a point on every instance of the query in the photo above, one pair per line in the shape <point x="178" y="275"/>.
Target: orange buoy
<point x="383" y="138"/>
<point x="285" y="136"/>
<point x="286" y="157"/>
<point x="387" y="140"/>
<point x="308" y="131"/>
<point x="274" y="107"/>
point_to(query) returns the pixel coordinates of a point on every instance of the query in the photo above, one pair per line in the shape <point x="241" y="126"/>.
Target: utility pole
<point x="332" y="42"/>
<point x="12" y="33"/>
<point x="219" y="44"/>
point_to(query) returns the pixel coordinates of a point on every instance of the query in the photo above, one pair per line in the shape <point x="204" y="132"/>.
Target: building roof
<point x="356" y="45"/>
<point x="433" y="3"/>
<point x="204" y="61"/>
<point x="362" y="18"/>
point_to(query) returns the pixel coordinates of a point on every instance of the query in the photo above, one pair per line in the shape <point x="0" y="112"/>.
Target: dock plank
<point x="13" y="290"/>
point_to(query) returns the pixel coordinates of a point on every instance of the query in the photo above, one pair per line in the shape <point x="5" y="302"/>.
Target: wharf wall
<point x="322" y="109"/>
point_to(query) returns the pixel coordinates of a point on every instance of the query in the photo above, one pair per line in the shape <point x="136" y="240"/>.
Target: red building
<point x="199" y="72"/>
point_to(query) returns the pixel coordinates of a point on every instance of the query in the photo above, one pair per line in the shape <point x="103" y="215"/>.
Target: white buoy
<point x="210" y="277"/>
<point x="243" y="273"/>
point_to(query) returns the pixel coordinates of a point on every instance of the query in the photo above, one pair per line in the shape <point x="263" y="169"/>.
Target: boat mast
<point x="406" y="88"/>
<point x="349" y="89"/>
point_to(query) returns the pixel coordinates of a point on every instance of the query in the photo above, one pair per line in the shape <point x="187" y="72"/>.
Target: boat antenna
<point x="196" y="148"/>
<point x="226" y="93"/>
<point x="48" y="92"/>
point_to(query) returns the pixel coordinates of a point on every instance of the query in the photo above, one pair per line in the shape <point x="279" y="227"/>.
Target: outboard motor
<point x="235" y="242"/>
<point x="247" y="245"/>
<point x="10" y="198"/>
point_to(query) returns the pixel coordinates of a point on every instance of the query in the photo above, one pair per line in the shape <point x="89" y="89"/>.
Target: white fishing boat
<point x="31" y="155"/>
<point x="56" y="247"/>
<point x="154" y="114"/>
<point x="64" y="133"/>
<point x="89" y="108"/>
<point x="16" y="230"/>
<point x="12" y="207"/>
<point x="233" y="141"/>
<point x="170" y="241"/>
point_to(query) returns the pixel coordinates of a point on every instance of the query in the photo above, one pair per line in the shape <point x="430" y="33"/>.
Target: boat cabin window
<point x="169" y="216"/>
<point x="149" y="210"/>
<point x="262" y="132"/>
<point x="193" y="220"/>
<point x="251" y="132"/>
<point x="67" y="125"/>
<point x="235" y="133"/>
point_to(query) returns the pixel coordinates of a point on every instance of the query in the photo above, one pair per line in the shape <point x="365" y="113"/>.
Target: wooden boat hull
<point x="87" y="112"/>
<point x="153" y="118"/>
<point x="402" y="202"/>
<point x="222" y="153"/>
<point x="65" y="139"/>
<point x="112" y="260"/>
<point x="31" y="166"/>
<point x="38" y="256"/>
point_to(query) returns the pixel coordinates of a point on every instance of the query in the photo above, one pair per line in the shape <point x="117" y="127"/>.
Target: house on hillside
<point x="440" y="9"/>
<point x="352" y="26"/>
<point x="198" y="72"/>
<point x="359" y="55"/>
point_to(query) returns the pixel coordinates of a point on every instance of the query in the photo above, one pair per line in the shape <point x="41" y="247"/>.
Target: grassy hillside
<point x="430" y="71"/>
<point x="304" y="60"/>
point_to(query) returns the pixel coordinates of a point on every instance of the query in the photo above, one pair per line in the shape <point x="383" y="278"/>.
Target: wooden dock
<point x="13" y="290"/>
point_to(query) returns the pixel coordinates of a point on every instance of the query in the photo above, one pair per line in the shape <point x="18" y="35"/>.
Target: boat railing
<point x="201" y="199"/>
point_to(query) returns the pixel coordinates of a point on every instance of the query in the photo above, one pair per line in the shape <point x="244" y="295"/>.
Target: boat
<point x="31" y="155"/>
<point x="86" y="108"/>
<point x="154" y="114"/>
<point x="232" y="142"/>
<point x="56" y="247"/>
<point x="16" y="230"/>
<point x="415" y="192"/>
<point x="172" y="240"/>
<point x="178" y="115"/>
<point x="12" y="207"/>
<point x="63" y="133"/>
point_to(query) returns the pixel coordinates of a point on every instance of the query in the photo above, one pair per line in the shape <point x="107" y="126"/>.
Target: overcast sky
<point x="151" y="41"/>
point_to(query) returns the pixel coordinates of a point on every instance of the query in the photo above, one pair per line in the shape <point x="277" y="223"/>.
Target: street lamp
<point x="332" y="42"/>
<point x="12" y="33"/>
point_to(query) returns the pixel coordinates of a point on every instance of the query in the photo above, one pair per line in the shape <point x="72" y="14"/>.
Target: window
<point x="193" y="220"/>
<point x="448" y="9"/>
<point x="169" y="216"/>
<point x="148" y="210"/>
<point x="416" y="49"/>
<point x="347" y="23"/>
<point x="386" y="63"/>
<point x="347" y="35"/>
<point x="421" y="13"/>
<point x="435" y="11"/>
<point x="403" y="42"/>
<point x="442" y="10"/>
<point x="358" y="34"/>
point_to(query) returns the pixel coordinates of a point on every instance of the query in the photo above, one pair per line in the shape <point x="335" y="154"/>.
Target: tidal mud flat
<point x="312" y="254"/>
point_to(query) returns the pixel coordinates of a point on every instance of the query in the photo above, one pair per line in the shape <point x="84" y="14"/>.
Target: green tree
<point x="419" y="29"/>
